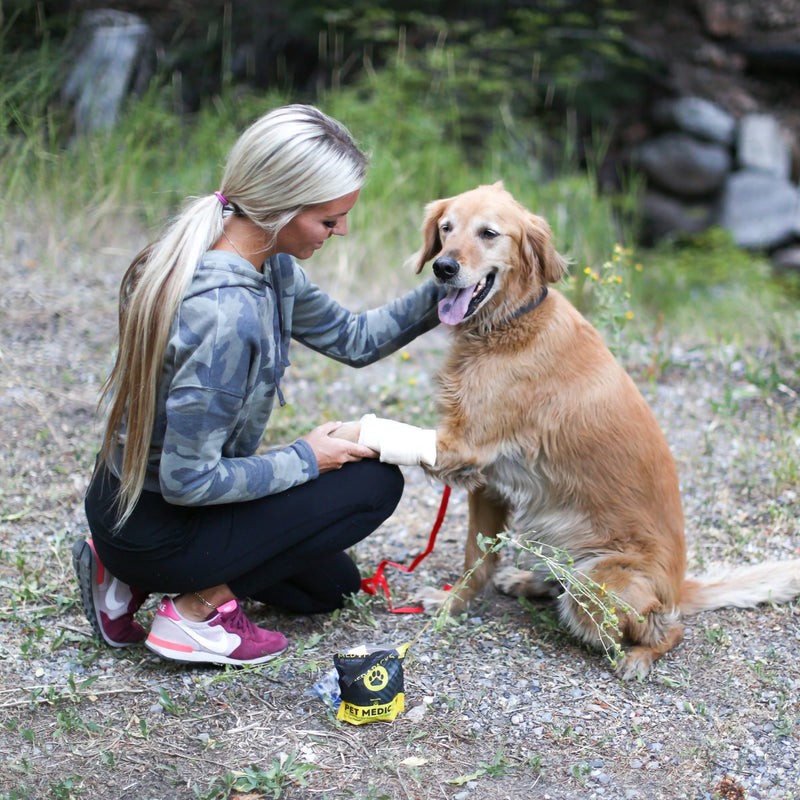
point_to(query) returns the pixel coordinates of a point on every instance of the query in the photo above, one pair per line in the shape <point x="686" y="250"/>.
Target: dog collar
<point x="535" y="303"/>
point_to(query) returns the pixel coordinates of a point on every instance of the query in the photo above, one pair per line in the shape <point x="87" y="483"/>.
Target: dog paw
<point x="349" y="431"/>
<point x="512" y="581"/>
<point x="435" y="600"/>
<point x="635" y="664"/>
<point x="526" y="583"/>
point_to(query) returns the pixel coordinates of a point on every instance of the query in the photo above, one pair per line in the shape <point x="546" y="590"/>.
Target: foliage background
<point x="443" y="95"/>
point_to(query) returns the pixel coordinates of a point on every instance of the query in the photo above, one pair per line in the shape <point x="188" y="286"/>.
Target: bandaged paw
<point x="398" y="442"/>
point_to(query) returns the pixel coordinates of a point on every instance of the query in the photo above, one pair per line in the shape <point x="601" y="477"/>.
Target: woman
<point x="181" y="502"/>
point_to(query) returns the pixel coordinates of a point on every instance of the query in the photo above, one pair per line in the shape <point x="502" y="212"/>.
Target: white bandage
<point x="398" y="442"/>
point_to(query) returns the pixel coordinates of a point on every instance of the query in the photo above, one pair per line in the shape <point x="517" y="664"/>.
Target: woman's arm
<point x="360" y="339"/>
<point x="197" y="467"/>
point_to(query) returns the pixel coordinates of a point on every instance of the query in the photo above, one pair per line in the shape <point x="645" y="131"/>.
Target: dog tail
<point x="742" y="587"/>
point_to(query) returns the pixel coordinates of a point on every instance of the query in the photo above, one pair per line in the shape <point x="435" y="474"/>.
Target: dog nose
<point x="445" y="267"/>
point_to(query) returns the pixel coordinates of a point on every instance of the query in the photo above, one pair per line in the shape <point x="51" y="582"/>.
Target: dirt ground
<point x="499" y="703"/>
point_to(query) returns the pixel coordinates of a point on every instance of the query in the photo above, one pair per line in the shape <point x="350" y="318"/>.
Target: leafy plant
<point x="67" y="788"/>
<point x="283" y="772"/>
<point x="605" y="294"/>
<point x="600" y="605"/>
<point x="168" y="704"/>
<point x="735" y="288"/>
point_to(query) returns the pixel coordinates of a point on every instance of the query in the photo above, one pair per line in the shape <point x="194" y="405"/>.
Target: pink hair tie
<point x="220" y="197"/>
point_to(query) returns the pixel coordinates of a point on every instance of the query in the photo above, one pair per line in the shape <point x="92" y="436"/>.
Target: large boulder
<point x="112" y="56"/>
<point x="664" y="217"/>
<point x="696" y="116"/>
<point x="762" y="145"/>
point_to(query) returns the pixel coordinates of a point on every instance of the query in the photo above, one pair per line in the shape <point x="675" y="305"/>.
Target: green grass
<point x="116" y="189"/>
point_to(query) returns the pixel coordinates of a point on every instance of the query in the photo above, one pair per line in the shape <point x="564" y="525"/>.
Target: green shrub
<point x="706" y="283"/>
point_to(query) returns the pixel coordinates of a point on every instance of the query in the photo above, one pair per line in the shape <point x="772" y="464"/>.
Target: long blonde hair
<point x="291" y="158"/>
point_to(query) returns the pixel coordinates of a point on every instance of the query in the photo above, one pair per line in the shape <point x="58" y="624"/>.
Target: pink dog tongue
<point x="453" y="307"/>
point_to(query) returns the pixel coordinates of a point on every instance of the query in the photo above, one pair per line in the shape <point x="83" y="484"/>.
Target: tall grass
<point x="138" y="174"/>
<point x="120" y="186"/>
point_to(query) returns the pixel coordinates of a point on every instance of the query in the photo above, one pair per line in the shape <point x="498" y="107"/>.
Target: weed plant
<point x="600" y="605"/>
<point x="282" y="773"/>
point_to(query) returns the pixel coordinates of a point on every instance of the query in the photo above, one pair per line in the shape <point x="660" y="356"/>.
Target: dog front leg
<point x="458" y="461"/>
<point x="487" y="518"/>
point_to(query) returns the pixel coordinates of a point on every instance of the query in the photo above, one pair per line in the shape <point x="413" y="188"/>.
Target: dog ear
<point x="538" y="250"/>
<point x="431" y="244"/>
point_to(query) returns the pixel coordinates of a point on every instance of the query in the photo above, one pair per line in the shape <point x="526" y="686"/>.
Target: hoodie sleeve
<point x="194" y="471"/>
<point x="320" y="323"/>
<point x="214" y="351"/>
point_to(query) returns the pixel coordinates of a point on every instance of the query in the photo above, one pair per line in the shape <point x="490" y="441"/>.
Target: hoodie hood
<point x="218" y="269"/>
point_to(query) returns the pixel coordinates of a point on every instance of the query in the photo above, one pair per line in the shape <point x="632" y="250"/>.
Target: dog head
<point x="490" y="251"/>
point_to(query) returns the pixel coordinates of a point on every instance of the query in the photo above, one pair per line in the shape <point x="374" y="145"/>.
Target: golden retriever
<point x="555" y="443"/>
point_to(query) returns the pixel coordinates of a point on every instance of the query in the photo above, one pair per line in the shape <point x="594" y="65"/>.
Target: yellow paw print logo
<point x="376" y="679"/>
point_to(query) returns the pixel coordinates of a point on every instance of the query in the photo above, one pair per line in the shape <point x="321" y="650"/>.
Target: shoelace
<point x="238" y="622"/>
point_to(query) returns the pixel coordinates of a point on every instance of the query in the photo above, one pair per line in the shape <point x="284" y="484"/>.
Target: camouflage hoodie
<point x="227" y="353"/>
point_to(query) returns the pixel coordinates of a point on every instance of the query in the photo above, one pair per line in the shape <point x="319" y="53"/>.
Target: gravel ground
<point x="499" y="703"/>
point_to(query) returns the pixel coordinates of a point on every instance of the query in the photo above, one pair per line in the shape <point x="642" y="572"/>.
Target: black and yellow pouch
<point x="371" y="685"/>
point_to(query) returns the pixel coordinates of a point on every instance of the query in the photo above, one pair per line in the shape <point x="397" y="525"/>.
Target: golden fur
<point x="555" y="443"/>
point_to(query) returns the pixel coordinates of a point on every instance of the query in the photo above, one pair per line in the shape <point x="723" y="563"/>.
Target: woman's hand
<point x="333" y="451"/>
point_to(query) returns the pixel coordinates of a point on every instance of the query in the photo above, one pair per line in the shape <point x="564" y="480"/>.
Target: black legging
<point x="286" y="549"/>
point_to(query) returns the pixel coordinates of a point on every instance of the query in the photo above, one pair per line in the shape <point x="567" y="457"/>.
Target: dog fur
<point x="555" y="443"/>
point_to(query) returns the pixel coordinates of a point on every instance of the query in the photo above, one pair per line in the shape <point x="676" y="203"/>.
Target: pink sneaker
<point x="226" y="637"/>
<point x="108" y="603"/>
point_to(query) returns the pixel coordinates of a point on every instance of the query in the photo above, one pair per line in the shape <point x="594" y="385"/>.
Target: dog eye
<point x="488" y="233"/>
<point x="445" y="227"/>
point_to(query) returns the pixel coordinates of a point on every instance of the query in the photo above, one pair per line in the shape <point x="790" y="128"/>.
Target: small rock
<point x="787" y="259"/>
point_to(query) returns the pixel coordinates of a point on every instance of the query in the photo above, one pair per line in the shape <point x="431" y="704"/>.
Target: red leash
<point x="378" y="580"/>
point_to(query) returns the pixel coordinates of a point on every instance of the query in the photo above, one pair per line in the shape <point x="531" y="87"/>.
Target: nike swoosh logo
<point x="215" y="638"/>
<point x="117" y="597"/>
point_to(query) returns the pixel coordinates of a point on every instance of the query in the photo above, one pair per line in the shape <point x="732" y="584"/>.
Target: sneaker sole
<point x="85" y="564"/>
<point x="185" y="655"/>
